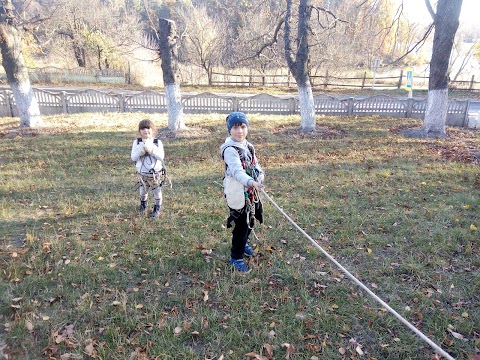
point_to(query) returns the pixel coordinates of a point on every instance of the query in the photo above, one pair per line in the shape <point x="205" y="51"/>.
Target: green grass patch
<point x="83" y="275"/>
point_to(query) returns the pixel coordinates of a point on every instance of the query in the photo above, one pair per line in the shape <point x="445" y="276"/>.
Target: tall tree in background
<point x="446" y="20"/>
<point x="203" y="38"/>
<point x="14" y="65"/>
<point x="167" y="42"/>
<point x="297" y="60"/>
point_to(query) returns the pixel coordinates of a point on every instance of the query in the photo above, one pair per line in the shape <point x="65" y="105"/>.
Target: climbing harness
<point x="239" y="200"/>
<point x="436" y="347"/>
<point x="152" y="178"/>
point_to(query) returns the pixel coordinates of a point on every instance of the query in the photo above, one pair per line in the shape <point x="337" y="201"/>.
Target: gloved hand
<point x="141" y="149"/>
<point x="149" y="146"/>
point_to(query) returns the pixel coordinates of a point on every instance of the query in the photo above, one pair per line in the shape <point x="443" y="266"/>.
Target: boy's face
<point x="239" y="132"/>
<point x="146" y="133"/>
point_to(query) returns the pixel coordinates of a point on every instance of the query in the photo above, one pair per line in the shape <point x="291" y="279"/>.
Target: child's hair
<point x="146" y="124"/>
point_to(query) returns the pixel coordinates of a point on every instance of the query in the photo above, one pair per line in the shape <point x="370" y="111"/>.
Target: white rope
<point x="437" y="348"/>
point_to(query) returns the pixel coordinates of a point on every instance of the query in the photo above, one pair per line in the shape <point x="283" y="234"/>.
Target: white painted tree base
<point x="436" y="112"/>
<point x="307" y="108"/>
<point x="173" y="96"/>
<point x="27" y="105"/>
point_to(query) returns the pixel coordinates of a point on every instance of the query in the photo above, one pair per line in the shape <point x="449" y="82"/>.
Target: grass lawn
<point x="84" y="276"/>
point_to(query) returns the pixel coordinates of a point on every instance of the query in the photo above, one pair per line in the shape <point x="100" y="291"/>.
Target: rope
<point x="437" y="348"/>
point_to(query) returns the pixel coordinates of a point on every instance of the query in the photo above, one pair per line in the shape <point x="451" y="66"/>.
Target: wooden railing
<point x="90" y="100"/>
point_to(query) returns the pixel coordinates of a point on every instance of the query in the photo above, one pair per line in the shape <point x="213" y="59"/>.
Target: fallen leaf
<point x="456" y="335"/>
<point x="358" y="349"/>
<point x="255" y="356"/>
<point x="268" y="350"/>
<point x="89" y="348"/>
<point x="342" y="350"/>
<point x="473" y="227"/>
<point x="290" y="349"/>
<point x="205" y="296"/>
<point x="448" y="342"/>
<point x="29" y="325"/>
<point x="177" y="330"/>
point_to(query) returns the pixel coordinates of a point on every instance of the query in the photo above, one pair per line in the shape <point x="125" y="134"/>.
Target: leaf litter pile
<point x="84" y="276"/>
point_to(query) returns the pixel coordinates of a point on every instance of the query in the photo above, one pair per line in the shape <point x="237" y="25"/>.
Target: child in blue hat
<point x="242" y="181"/>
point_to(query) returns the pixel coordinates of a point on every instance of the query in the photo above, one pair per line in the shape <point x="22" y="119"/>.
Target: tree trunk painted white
<point x="446" y="20"/>
<point x="17" y="73"/>
<point x="307" y="108"/>
<point x="168" y="49"/>
<point x="173" y="96"/>
<point x="436" y="112"/>
<point x="27" y="105"/>
<point x="297" y="61"/>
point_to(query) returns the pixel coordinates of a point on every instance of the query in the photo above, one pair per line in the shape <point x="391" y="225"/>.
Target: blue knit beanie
<point x="236" y="118"/>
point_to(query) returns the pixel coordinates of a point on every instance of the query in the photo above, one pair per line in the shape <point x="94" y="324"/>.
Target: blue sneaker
<point x="240" y="266"/>
<point x="249" y="251"/>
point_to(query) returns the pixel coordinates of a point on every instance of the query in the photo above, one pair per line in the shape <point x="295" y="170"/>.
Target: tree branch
<point x="419" y="43"/>
<point x="430" y="9"/>
<point x="267" y="44"/>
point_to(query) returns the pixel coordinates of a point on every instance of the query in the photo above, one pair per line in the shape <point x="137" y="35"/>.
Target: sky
<point x="417" y="10"/>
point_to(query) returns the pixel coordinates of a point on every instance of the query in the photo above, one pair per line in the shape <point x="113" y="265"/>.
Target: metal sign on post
<point x="409" y="84"/>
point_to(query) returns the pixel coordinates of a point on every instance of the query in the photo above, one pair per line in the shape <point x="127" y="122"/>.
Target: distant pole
<point x="376" y="64"/>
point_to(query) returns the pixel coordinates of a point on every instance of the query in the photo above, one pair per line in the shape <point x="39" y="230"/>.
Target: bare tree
<point x="167" y="41"/>
<point x="297" y="52"/>
<point x="204" y="38"/>
<point x="297" y="61"/>
<point x="97" y="38"/>
<point x="446" y="21"/>
<point x="14" y="64"/>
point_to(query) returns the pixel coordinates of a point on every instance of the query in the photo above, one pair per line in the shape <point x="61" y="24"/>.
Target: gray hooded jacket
<point x="234" y="164"/>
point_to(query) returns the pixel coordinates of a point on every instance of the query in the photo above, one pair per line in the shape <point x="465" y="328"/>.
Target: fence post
<point x="364" y="78"/>
<point x="465" y="118"/>
<point x="63" y="99"/>
<point x="471" y="83"/>
<point x="408" y="114"/>
<point x="325" y="83"/>
<point x="292" y="104"/>
<point x="121" y="102"/>
<point x="399" y="85"/>
<point x="235" y="103"/>
<point x="351" y="100"/>
<point x="8" y="102"/>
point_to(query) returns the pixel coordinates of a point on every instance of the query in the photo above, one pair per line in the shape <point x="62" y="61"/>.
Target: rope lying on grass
<point x="437" y="348"/>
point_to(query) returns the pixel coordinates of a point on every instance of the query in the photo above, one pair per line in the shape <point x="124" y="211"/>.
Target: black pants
<point x="240" y="233"/>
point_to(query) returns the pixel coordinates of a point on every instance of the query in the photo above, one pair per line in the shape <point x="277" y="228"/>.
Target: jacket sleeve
<point x="138" y="149"/>
<point x="235" y="168"/>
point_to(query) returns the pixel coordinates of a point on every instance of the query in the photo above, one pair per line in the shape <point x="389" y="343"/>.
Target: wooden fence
<point x="327" y="80"/>
<point x="90" y="100"/>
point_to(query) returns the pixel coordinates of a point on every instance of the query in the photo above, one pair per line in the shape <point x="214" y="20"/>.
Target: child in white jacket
<point x="148" y="155"/>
